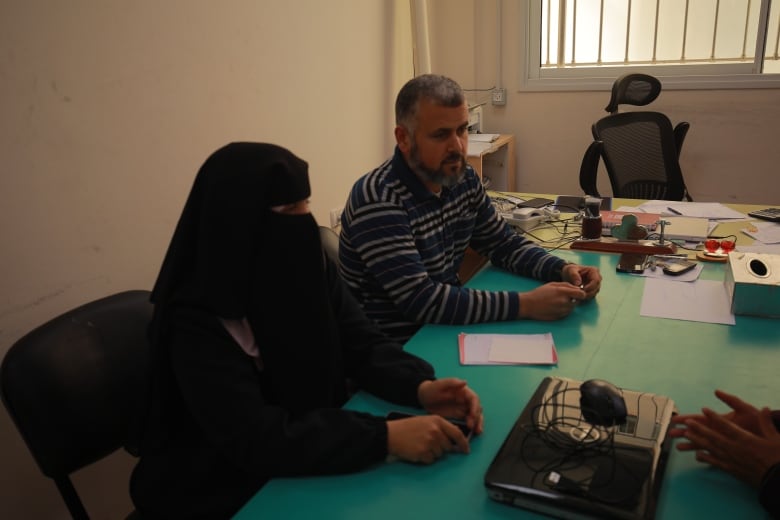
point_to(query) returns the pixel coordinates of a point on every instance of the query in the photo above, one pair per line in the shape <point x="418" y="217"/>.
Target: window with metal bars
<point x="689" y="43"/>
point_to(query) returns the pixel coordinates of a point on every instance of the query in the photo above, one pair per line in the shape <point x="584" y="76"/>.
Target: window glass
<point x="700" y="43"/>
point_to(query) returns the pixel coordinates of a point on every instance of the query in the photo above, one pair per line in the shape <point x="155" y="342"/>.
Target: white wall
<point x="730" y="153"/>
<point x="109" y="108"/>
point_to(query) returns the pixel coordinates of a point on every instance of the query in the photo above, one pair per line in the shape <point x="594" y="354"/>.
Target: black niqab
<point x="234" y="257"/>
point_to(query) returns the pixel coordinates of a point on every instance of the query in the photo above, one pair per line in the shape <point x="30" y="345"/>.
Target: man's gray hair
<point x="432" y="87"/>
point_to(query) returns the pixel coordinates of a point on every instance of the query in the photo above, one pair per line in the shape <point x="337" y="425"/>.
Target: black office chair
<point x="640" y="149"/>
<point x="73" y="386"/>
<point x="330" y="243"/>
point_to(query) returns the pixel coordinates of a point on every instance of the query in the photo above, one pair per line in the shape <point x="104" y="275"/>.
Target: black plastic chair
<point x="640" y="149"/>
<point x="330" y="243"/>
<point x="74" y="386"/>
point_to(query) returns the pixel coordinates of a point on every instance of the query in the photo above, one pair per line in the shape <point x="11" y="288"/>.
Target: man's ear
<point x="403" y="138"/>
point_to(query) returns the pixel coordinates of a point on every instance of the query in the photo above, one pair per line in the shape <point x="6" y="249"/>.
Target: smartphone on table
<point x="678" y="267"/>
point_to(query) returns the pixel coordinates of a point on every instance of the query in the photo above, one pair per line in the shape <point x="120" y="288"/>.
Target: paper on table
<point x="765" y="232"/>
<point x="703" y="300"/>
<point x="757" y="247"/>
<point x="709" y="210"/>
<point x="507" y="349"/>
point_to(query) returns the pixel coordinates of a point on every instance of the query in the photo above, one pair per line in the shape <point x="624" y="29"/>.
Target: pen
<point x="674" y="211"/>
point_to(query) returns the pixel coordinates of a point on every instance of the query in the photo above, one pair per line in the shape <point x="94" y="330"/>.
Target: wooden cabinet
<point x="495" y="163"/>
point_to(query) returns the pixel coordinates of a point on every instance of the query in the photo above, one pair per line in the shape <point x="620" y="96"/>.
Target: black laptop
<point x="553" y="461"/>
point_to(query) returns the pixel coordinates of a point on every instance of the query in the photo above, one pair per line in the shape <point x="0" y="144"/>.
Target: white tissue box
<point x="753" y="284"/>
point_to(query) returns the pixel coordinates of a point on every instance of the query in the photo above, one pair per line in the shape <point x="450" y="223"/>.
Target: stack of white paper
<point x="507" y="349"/>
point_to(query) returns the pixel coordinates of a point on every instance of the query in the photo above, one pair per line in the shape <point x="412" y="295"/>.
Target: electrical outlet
<point x="335" y="217"/>
<point x="499" y="96"/>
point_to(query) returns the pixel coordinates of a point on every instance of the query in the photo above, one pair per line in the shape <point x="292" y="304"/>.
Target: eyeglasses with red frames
<point x="720" y="247"/>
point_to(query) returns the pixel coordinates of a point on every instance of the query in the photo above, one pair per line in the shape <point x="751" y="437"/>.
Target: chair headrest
<point x="633" y="89"/>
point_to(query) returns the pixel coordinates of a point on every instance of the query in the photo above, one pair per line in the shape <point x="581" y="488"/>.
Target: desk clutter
<point x="668" y="235"/>
<point x="770" y="214"/>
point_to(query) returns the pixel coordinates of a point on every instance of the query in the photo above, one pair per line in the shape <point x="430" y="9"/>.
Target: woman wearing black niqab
<point x="254" y="337"/>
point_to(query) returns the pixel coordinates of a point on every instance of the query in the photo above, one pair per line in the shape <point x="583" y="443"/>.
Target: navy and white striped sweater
<point x="401" y="246"/>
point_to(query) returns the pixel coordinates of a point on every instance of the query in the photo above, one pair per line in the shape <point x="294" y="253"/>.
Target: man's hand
<point x="551" y="301"/>
<point x="589" y="278"/>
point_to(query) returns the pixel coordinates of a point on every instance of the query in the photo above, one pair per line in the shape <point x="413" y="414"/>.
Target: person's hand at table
<point x="742" y="414"/>
<point x="551" y="301"/>
<point x="587" y="277"/>
<point x="743" y="442"/>
<point x="424" y="438"/>
<point x="452" y="397"/>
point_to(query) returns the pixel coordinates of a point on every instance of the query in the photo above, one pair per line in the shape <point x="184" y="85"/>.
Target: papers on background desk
<point x="708" y="210"/>
<point x="477" y="148"/>
<point x="483" y="138"/>
<point x="772" y="249"/>
<point x="507" y="349"/>
<point x="703" y="300"/>
<point x="764" y="232"/>
<point x="481" y="143"/>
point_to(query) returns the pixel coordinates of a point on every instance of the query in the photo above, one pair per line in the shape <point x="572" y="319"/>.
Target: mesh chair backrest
<point x="633" y="89"/>
<point x="640" y="155"/>
<point x="73" y="385"/>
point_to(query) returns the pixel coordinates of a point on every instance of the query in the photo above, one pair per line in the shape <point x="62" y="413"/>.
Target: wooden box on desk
<point x="753" y="284"/>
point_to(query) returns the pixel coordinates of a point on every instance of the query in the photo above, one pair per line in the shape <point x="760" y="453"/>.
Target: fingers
<point x="449" y="384"/>
<point x="474" y="413"/>
<point x="592" y="288"/>
<point x="717" y="430"/>
<point x="551" y="301"/>
<point x="573" y="275"/>
<point x="446" y="437"/>
<point x="467" y="406"/>
<point x="560" y="301"/>
<point x="719" y="437"/>
<point x="474" y="419"/>
<point x="684" y="418"/>
<point x="456" y="440"/>
<point x="766" y="425"/>
<point x="587" y="278"/>
<point x="433" y="393"/>
<point x="734" y="402"/>
<point x="423" y="439"/>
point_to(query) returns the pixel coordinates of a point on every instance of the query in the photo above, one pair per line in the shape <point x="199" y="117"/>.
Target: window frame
<point x="707" y="76"/>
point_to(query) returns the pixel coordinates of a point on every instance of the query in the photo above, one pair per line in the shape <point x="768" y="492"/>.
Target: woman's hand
<point x="424" y="438"/>
<point x="452" y="397"/>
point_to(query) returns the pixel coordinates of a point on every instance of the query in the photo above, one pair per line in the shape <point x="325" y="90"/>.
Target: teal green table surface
<point x="606" y="339"/>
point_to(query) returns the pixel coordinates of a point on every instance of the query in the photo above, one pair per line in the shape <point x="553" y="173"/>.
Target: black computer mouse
<point x="601" y="403"/>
